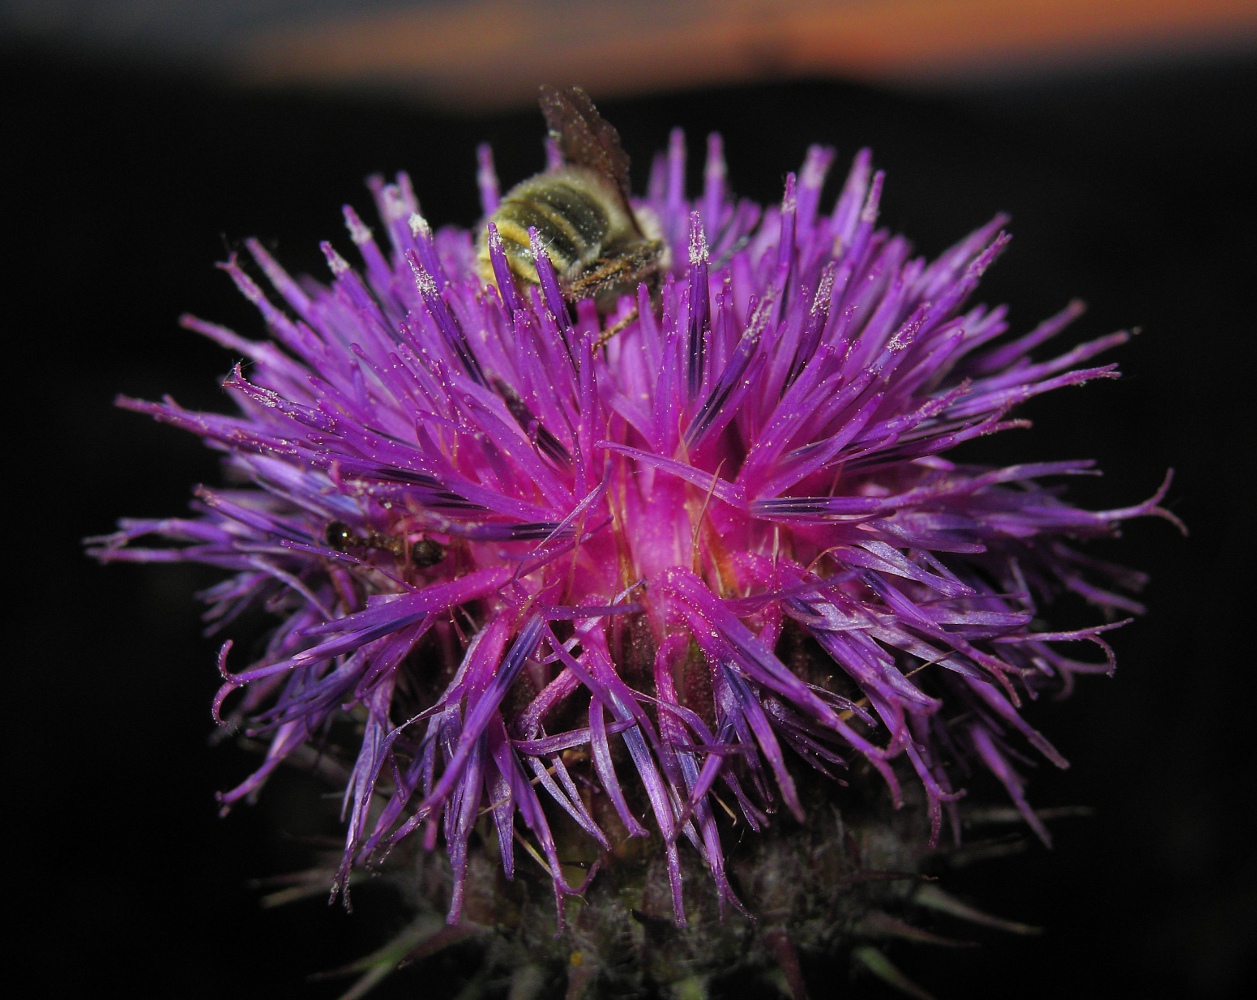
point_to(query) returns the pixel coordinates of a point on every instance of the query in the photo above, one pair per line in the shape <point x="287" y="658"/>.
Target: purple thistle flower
<point x="542" y="558"/>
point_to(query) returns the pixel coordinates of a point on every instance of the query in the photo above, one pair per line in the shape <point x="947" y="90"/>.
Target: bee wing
<point x="585" y="138"/>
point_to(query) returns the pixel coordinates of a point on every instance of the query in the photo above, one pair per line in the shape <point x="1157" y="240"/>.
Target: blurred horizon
<point x="482" y="55"/>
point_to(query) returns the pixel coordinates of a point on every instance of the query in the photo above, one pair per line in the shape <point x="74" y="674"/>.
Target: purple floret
<point x="625" y="534"/>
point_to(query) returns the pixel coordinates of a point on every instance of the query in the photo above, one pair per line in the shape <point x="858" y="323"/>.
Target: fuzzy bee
<point x="600" y="247"/>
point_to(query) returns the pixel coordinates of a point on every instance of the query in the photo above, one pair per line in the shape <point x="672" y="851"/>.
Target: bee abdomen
<point x="569" y="212"/>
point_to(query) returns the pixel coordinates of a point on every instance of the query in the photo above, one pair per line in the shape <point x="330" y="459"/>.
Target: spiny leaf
<point x="883" y="969"/>
<point x="934" y="898"/>
<point x="879" y="924"/>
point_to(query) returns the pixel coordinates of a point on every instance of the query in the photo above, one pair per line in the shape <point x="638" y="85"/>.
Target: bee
<point x="423" y="553"/>
<point x="600" y="247"/>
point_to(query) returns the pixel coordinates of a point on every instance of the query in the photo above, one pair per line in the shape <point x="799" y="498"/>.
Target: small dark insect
<point x="340" y="537"/>
<point x="426" y="552"/>
<point x="423" y="553"/>
<point x="600" y="247"/>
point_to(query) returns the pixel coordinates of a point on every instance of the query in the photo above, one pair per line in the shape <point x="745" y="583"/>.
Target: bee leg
<point x="621" y="272"/>
<point x="615" y="328"/>
<point x="604" y="274"/>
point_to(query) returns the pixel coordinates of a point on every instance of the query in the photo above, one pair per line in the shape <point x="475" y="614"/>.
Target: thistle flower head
<point x="643" y="569"/>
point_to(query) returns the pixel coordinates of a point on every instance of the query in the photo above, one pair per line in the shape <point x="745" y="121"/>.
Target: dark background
<point x="1132" y="190"/>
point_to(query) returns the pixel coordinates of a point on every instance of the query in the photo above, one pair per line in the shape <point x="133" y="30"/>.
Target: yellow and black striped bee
<point x="599" y="246"/>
